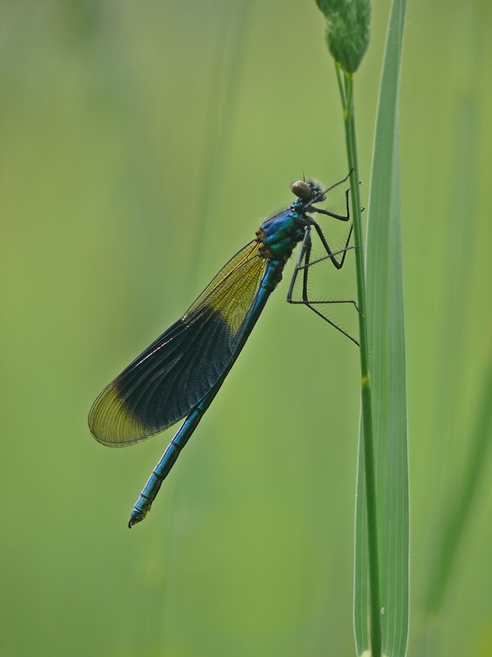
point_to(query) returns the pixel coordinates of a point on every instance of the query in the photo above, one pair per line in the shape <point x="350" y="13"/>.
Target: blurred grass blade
<point x="384" y="287"/>
<point x="458" y="492"/>
<point x="464" y="496"/>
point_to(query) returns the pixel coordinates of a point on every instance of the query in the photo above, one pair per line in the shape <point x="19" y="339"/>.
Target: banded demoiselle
<point x="180" y="373"/>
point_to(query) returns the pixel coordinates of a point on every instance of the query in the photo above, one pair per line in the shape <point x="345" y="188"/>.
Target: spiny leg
<point x="321" y="236"/>
<point x="303" y="256"/>
<point x="340" y="217"/>
<point x="331" y="254"/>
<point x="304" y="263"/>
<point x="338" y="183"/>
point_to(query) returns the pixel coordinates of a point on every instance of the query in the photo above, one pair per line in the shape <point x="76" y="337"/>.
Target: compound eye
<point x="302" y="190"/>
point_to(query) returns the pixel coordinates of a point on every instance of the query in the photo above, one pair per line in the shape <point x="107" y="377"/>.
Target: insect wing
<point x="177" y="370"/>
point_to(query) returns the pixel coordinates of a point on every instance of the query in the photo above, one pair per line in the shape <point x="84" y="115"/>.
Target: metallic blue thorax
<point x="279" y="235"/>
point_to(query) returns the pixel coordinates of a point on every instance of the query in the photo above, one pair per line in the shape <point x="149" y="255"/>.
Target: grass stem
<point x="346" y="86"/>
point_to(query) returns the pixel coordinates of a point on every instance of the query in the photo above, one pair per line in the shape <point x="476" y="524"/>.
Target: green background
<point x="141" y="144"/>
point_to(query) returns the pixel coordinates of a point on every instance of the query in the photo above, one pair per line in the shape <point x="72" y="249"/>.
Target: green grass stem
<point x="346" y="86"/>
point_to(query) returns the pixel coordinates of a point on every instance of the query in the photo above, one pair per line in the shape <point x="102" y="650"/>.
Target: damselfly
<point x="180" y="373"/>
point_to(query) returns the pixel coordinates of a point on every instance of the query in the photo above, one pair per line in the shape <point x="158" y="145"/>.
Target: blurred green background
<point x="141" y="143"/>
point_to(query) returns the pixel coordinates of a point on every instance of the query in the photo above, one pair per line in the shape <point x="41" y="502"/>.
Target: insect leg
<point x="340" y="217"/>
<point x="303" y="264"/>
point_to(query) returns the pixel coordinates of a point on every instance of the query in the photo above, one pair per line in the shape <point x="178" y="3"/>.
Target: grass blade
<point x="384" y="287"/>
